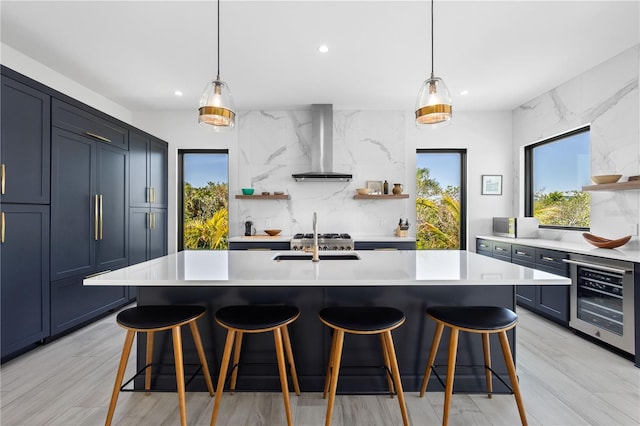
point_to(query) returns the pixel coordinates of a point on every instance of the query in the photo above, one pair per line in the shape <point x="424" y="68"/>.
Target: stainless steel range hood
<point x="322" y="148"/>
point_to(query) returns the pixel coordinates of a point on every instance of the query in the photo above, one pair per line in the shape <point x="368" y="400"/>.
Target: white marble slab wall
<point x="606" y="97"/>
<point x="274" y="144"/>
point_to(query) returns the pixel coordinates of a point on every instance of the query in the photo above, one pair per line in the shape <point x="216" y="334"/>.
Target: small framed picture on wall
<point x="375" y="186"/>
<point x="491" y="184"/>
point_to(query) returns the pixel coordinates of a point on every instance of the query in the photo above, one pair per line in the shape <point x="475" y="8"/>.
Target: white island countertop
<point x="373" y="268"/>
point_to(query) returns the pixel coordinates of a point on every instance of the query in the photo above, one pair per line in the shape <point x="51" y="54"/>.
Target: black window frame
<point x="463" y="186"/>
<point x="528" y="177"/>
<point x="181" y="153"/>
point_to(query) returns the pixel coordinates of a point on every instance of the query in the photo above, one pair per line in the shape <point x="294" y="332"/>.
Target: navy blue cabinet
<point x="147" y="234"/>
<point x="148" y="162"/>
<point x="24" y="253"/>
<point x="549" y="301"/>
<point x="24" y="144"/>
<point x="89" y="226"/>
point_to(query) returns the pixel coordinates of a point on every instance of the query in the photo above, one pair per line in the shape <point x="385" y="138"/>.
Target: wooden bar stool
<point x="257" y="319"/>
<point x="484" y="320"/>
<point x="362" y="320"/>
<point x="150" y="319"/>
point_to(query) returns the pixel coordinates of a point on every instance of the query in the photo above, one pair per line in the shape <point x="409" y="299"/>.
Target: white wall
<point x="268" y="146"/>
<point x="25" y="65"/>
<point x="605" y="97"/>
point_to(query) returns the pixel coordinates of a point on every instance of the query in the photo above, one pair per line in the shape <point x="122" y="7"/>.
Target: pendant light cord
<point x="218" y="75"/>
<point x="431" y="38"/>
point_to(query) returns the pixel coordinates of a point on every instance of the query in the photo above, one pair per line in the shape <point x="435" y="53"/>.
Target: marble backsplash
<point x="274" y="144"/>
<point x="606" y="98"/>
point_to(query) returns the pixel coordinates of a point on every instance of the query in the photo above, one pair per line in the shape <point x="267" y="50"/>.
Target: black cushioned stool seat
<point x="257" y="319"/>
<point x="150" y="319"/>
<point x="484" y="320"/>
<point x="362" y="320"/>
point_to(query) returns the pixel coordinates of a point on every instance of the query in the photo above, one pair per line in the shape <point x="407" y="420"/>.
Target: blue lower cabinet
<point x="24" y="288"/>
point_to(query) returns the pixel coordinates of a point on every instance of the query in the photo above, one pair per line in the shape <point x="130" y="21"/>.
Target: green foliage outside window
<point x="437" y="213"/>
<point x="570" y="209"/>
<point x="206" y="217"/>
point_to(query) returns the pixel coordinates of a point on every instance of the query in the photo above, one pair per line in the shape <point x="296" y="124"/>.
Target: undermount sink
<point x="322" y="256"/>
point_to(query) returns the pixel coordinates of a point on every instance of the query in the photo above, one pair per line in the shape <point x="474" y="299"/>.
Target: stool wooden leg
<point x="508" y="359"/>
<point x="432" y="357"/>
<point x="277" y="336"/>
<point x="292" y="364"/>
<point x="236" y="361"/>
<point x="224" y="366"/>
<point x="487" y="362"/>
<point x="126" y="350"/>
<point x="451" y="368"/>
<point x="338" y="341"/>
<point x="177" y="355"/>
<point x="203" y="359"/>
<point x="149" y="361"/>
<point x="327" y="379"/>
<point x="391" y="351"/>
<point x="387" y="366"/>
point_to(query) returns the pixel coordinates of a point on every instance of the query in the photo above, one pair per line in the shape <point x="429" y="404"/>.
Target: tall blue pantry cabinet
<point x="24" y="215"/>
<point x="66" y="209"/>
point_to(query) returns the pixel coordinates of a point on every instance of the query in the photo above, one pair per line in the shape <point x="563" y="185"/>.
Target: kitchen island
<point x="407" y="280"/>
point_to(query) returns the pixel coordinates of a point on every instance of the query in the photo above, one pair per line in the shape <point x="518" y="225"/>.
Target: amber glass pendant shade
<point x="433" y="106"/>
<point x="216" y="106"/>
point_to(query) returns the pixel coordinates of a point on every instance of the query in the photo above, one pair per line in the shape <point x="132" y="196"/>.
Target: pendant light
<point x="216" y="104"/>
<point x="433" y="107"/>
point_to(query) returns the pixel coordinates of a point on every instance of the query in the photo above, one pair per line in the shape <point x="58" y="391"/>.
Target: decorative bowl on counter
<point x="363" y="191"/>
<point x="273" y="232"/>
<point x="266" y="193"/>
<point x="278" y="192"/>
<point x="602" y="242"/>
<point x="600" y="179"/>
<point x="247" y="191"/>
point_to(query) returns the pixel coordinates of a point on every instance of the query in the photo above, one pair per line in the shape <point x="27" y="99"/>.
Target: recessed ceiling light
<point x="323" y="48"/>
<point x="177" y="93"/>
<point x="464" y="92"/>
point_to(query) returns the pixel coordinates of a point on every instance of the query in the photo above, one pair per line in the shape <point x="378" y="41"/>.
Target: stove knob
<point x="295" y="248"/>
<point x="348" y="248"/>
<point x="335" y="248"/>
<point x="325" y="248"/>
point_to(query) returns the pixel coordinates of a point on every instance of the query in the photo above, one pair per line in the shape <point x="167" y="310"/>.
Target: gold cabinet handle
<point x="97" y="274"/>
<point x="95" y="217"/>
<point x="2" y="227"/>
<point x="153" y="194"/>
<point x="153" y="221"/>
<point x="148" y="220"/>
<point x="2" y="178"/>
<point x="101" y="138"/>
<point x="101" y="217"/>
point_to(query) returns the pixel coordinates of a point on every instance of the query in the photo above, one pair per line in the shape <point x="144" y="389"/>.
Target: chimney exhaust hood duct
<point x="322" y="148"/>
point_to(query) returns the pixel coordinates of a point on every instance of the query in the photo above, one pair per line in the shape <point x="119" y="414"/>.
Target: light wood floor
<point x="565" y="380"/>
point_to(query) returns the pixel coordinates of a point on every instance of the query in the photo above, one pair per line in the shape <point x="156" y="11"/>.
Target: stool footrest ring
<point x="142" y="370"/>
<point x="486" y="367"/>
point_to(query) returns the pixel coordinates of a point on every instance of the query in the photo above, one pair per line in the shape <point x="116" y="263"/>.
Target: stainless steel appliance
<point x="515" y="227"/>
<point x="601" y="302"/>
<point x="325" y="242"/>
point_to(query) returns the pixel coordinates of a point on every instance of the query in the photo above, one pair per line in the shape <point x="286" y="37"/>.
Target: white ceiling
<point x="137" y="53"/>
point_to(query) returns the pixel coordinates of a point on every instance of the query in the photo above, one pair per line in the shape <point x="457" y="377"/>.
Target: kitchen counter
<point x="407" y="280"/>
<point x="627" y="252"/>
<point x="287" y="238"/>
<point x="373" y="268"/>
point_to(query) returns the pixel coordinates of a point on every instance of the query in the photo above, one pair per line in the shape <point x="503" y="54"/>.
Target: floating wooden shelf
<point x="618" y="186"/>
<point x="263" y="197"/>
<point x="380" y="196"/>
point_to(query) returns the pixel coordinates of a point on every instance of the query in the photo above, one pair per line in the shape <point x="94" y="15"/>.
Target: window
<point x="555" y="171"/>
<point x="440" y="199"/>
<point x="204" y="199"/>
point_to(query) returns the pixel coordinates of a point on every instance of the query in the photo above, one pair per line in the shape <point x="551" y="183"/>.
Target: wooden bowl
<point x="363" y="191"/>
<point x="272" y="232"/>
<point x="600" y="179"/>
<point x="602" y="242"/>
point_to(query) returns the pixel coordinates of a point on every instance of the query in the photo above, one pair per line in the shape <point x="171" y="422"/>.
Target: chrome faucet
<point x="315" y="257"/>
